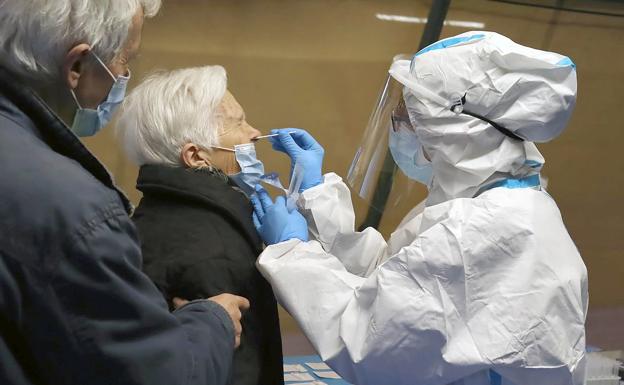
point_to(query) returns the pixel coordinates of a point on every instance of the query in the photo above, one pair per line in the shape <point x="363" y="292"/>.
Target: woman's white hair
<point x="35" y="35"/>
<point x="169" y="110"/>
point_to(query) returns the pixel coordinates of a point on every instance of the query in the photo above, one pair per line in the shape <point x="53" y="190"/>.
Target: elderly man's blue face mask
<point x="87" y="121"/>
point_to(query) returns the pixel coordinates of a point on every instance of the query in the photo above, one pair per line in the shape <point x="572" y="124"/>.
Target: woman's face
<point x="235" y="130"/>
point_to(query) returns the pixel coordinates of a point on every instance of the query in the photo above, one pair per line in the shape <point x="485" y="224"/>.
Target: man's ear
<point x="195" y="157"/>
<point x="73" y="64"/>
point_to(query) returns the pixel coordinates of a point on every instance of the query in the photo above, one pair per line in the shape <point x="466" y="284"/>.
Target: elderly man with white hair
<point x="75" y="307"/>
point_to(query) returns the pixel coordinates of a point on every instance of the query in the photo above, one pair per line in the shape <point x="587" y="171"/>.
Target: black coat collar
<point x="52" y="130"/>
<point x="212" y="189"/>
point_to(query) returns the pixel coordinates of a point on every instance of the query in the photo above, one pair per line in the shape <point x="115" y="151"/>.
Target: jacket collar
<point x="210" y="188"/>
<point x="53" y="131"/>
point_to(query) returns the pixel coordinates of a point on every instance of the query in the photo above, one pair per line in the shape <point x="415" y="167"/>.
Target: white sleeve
<point x="331" y="221"/>
<point x="472" y="292"/>
<point x="370" y="329"/>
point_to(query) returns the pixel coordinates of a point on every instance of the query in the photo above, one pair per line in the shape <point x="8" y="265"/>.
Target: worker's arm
<point x="328" y="210"/>
<point x="386" y="328"/>
<point x="326" y="204"/>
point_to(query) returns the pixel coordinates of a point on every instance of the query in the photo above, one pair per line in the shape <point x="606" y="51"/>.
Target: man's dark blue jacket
<point x="75" y="308"/>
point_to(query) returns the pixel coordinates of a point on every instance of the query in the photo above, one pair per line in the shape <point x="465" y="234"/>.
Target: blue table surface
<point x="290" y="360"/>
<point x="301" y="360"/>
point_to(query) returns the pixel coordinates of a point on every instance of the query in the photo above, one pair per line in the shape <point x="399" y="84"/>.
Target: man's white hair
<point x="169" y="110"/>
<point x="35" y="35"/>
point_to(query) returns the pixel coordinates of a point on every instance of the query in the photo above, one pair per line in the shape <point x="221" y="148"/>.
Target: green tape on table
<point x="302" y="360"/>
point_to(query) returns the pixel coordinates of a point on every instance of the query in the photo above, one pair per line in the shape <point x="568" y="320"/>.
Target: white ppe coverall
<point x="471" y="284"/>
<point x="482" y="286"/>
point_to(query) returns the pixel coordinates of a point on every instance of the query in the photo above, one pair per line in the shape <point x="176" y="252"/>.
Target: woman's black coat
<point x="198" y="240"/>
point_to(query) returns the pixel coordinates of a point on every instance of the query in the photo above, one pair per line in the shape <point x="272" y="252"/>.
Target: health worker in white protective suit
<point x="483" y="286"/>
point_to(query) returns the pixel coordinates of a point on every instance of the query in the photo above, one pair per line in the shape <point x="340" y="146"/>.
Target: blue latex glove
<point x="302" y="148"/>
<point x="274" y="222"/>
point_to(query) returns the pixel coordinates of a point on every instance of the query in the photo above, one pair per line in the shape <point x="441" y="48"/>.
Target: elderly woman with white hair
<point x="195" y="219"/>
<point x="75" y="307"/>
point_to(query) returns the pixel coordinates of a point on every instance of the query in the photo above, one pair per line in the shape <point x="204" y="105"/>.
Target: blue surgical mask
<point x="407" y="152"/>
<point x="252" y="169"/>
<point x="88" y="121"/>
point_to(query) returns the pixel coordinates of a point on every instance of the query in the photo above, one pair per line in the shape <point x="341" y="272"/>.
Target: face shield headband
<point x="458" y="108"/>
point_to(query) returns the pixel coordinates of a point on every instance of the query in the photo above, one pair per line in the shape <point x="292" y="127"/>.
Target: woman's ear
<point x="195" y="157"/>
<point x="72" y="64"/>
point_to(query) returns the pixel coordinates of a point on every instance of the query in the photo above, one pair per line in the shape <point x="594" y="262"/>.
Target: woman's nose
<point x="254" y="133"/>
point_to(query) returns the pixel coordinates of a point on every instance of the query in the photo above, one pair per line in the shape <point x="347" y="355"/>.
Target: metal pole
<point x="431" y="34"/>
<point x="435" y="22"/>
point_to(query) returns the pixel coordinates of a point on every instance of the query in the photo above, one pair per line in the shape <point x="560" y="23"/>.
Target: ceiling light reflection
<point x="423" y="20"/>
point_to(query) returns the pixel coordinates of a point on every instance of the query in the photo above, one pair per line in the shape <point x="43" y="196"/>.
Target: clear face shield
<point x="390" y="170"/>
<point x="391" y="143"/>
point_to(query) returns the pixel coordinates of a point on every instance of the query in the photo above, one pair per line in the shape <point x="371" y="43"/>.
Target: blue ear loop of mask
<point x="88" y="121"/>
